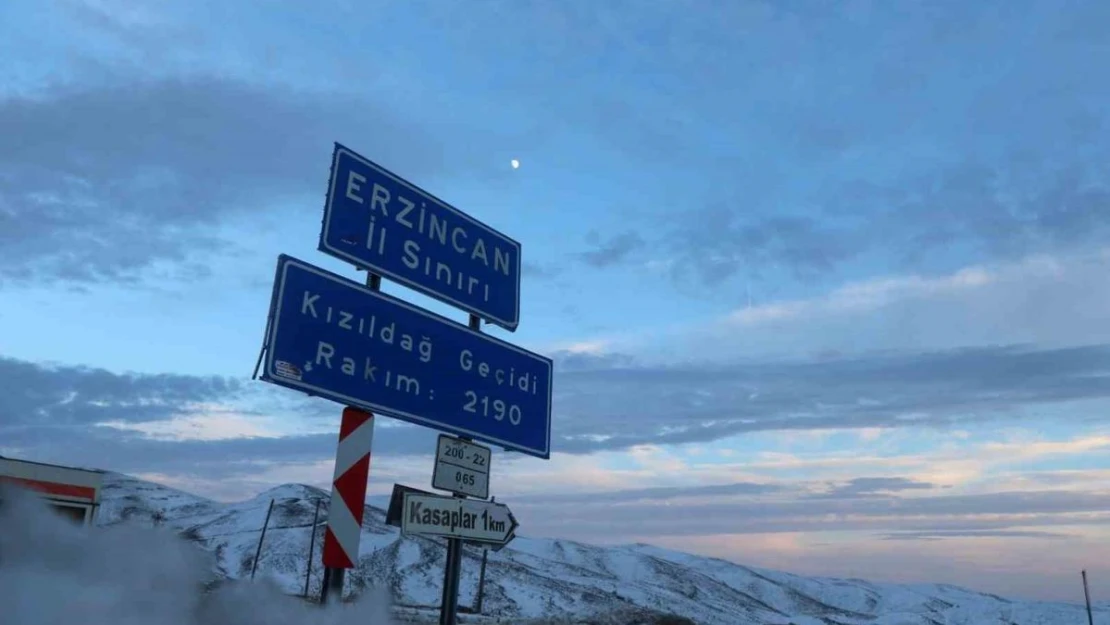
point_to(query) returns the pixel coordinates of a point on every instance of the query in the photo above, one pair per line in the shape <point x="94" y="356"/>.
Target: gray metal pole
<point x="331" y="590"/>
<point x="1087" y="596"/>
<point x="324" y="585"/>
<point x="481" y="582"/>
<point x="311" y="548"/>
<point x="258" y="550"/>
<point x="482" y="575"/>
<point x="455" y="575"/>
<point x="449" y="606"/>
<point x="335" y="585"/>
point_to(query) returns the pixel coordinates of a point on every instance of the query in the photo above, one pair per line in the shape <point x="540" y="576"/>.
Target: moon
<point x="515" y="163"/>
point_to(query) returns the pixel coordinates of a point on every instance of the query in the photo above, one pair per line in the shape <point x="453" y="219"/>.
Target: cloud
<point x="700" y="403"/>
<point x="853" y="163"/>
<point x="925" y="222"/>
<point x="540" y="271"/>
<point x="63" y="396"/>
<point x="940" y="535"/>
<point x="613" y="251"/>
<point x="753" y="515"/>
<point x="747" y="211"/>
<point x="870" y="295"/>
<point x="656" y="494"/>
<point x="692" y="403"/>
<point x="873" y="487"/>
<point x="109" y="448"/>
<point x="1012" y="567"/>
<point x="140" y="27"/>
<point x="241" y="457"/>
<point x="682" y="504"/>
<point x="1041" y="299"/>
<point x="1001" y="211"/>
<point x="583" y="358"/>
<point x="1060" y="480"/>
<point x="779" y="494"/>
<point x="715" y="243"/>
<point x="205" y="423"/>
<point x="156" y="166"/>
<point x="209" y="426"/>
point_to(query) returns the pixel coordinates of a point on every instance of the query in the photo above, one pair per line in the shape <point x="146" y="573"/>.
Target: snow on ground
<point x="533" y="578"/>
<point x="53" y="573"/>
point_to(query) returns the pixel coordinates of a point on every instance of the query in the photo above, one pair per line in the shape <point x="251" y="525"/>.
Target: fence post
<point x="1087" y="596"/>
<point x="311" y="548"/>
<point x="258" y="550"/>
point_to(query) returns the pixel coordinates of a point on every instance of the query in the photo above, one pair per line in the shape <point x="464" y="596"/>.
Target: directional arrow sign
<point x="467" y="519"/>
<point x="496" y="548"/>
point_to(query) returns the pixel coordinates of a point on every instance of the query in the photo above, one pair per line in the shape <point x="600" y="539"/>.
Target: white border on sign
<point x="285" y="260"/>
<point x="363" y="263"/>
<point x="455" y="440"/>
<point x="463" y="504"/>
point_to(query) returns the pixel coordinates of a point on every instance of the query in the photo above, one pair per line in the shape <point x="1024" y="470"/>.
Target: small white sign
<point x="462" y="467"/>
<point x="466" y="519"/>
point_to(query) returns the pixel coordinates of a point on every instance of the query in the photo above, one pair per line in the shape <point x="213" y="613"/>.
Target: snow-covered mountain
<point x="547" y="578"/>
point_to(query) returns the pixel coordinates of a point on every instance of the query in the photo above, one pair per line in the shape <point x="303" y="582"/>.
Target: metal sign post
<point x="261" y="537"/>
<point x="1087" y="596"/>
<point x="339" y="340"/>
<point x="452" y="569"/>
<point x="311" y="547"/>
<point x="457" y="519"/>
<point x="449" y="604"/>
<point x="481" y="582"/>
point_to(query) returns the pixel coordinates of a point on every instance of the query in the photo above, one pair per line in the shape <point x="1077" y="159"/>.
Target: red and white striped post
<point x="348" y="499"/>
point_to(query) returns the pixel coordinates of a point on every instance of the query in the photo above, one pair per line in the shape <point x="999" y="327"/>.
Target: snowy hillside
<point x="552" y="578"/>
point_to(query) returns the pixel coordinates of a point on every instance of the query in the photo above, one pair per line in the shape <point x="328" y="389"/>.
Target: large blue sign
<point x="335" y="338"/>
<point x="380" y="222"/>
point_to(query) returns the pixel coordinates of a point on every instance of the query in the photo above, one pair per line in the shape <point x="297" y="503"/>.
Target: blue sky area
<point x="825" y="283"/>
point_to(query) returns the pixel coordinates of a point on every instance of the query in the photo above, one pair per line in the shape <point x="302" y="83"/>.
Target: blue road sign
<point x="335" y="338"/>
<point x="380" y="222"/>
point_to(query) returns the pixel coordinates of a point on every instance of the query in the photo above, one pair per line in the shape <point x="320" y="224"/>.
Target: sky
<point x="826" y="285"/>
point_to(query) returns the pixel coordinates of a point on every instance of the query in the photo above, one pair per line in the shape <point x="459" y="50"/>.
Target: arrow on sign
<point x="466" y="519"/>
<point x="512" y="535"/>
